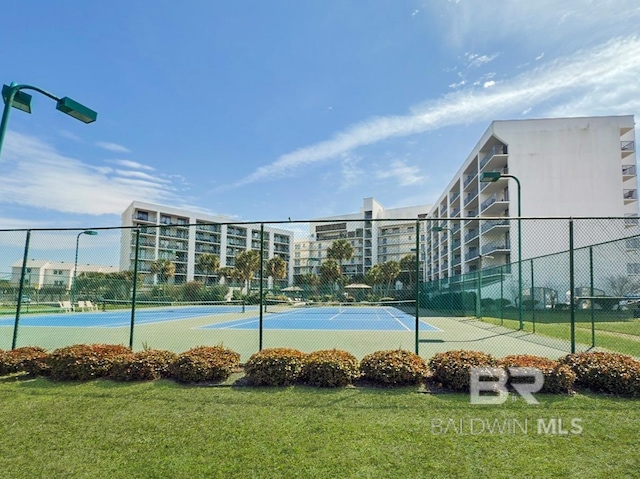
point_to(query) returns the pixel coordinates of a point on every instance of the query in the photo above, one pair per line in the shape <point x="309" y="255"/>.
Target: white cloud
<point x="474" y="60"/>
<point x="403" y="174"/>
<point x="488" y="84"/>
<point x="613" y="68"/>
<point x="36" y="175"/>
<point x="131" y="164"/>
<point x="113" y="147"/>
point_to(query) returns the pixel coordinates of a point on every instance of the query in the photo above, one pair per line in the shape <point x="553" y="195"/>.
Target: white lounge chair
<point x="65" y="306"/>
<point x="90" y="306"/>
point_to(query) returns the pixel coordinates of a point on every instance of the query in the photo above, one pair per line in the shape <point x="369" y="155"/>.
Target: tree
<point x="373" y="276"/>
<point x="389" y="271"/>
<point x="408" y="269"/>
<point x="340" y="250"/>
<point x="208" y="264"/>
<point x="623" y="285"/>
<point x="164" y="269"/>
<point x="247" y="264"/>
<point x="329" y="272"/>
<point x="276" y="268"/>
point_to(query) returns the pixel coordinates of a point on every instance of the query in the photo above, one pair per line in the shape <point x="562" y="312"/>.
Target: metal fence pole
<point x="572" y="306"/>
<point x="593" y="323"/>
<point x="533" y="300"/>
<point x="261" y="304"/>
<point x="23" y="272"/>
<point x="135" y="288"/>
<point x="501" y="295"/>
<point x="417" y="289"/>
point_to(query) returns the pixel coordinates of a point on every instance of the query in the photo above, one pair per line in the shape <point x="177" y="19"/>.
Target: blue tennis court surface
<point x="350" y="319"/>
<point x="122" y="317"/>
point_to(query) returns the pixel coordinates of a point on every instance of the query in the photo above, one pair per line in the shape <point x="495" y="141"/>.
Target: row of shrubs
<point x="599" y="372"/>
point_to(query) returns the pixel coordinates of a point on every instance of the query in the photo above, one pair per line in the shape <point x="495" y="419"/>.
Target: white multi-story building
<point x="183" y="236"/>
<point x="44" y="273"/>
<point x="390" y="237"/>
<point x="567" y="167"/>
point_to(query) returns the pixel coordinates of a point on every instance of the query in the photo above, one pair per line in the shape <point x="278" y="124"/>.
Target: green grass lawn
<point x="162" y="429"/>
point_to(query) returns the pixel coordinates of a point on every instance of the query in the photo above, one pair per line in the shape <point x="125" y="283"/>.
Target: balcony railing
<point x="627" y="146"/>
<point x="473" y="254"/>
<point x="494" y="246"/>
<point x="469" y="179"/>
<point x="495" y="150"/>
<point x="487" y="225"/>
<point x="491" y="200"/>
<point x="629" y="170"/>
<point x="471" y="235"/>
<point x="470" y="197"/>
<point x="454" y="196"/>
<point x="630" y="194"/>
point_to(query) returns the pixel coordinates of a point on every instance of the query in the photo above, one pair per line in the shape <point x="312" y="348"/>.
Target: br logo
<point x="494" y="380"/>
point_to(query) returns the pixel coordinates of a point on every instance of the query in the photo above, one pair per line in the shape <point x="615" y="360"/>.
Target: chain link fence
<point x="545" y="286"/>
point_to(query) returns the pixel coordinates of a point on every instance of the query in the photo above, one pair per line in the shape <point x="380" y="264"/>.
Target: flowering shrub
<point x="452" y="368"/>
<point x="142" y="366"/>
<point x="393" y="368"/>
<point x="274" y="367"/>
<point x="84" y="361"/>
<point x="330" y="368"/>
<point x="558" y="378"/>
<point x="606" y="372"/>
<point x="204" y="364"/>
<point x="29" y="359"/>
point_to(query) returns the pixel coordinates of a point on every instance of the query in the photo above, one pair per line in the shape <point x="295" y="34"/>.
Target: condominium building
<point x="58" y="274"/>
<point x="390" y="237"/>
<point x="182" y="236"/>
<point x="566" y="167"/>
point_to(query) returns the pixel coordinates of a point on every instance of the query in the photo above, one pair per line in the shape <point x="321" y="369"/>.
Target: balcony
<point x="469" y="178"/>
<point x="470" y="197"/>
<point x="144" y="218"/>
<point x="627" y="146"/>
<point x="454" y="196"/>
<point x="629" y="170"/>
<point x="494" y="246"/>
<point x="630" y="195"/>
<point x="493" y="151"/>
<point x="488" y="225"/>
<point x="471" y="255"/>
<point x="471" y="235"/>
<point x="498" y="199"/>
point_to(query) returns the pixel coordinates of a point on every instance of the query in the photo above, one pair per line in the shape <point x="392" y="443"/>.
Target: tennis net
<point x="108" y="304"/>
<point x="331" y="307"/>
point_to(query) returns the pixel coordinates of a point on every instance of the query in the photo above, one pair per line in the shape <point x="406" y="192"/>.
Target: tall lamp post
<point x="13" y="96"/>
<point x="75" y="264"/>
<point x="493" y="176"/>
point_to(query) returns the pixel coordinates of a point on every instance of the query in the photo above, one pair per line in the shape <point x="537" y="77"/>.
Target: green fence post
<point x="501" y="295"/>
<point x="135" y="289"/>
<point x="23" y="272"/>
<point x="417" y="288"/>
<point x="572" y="305"/>
<point x="593" y="320"/>
<point x="261" y="305"/>
<point x="533" y="300"/>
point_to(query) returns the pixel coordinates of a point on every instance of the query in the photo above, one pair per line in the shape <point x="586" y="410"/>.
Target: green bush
<point x="29" y="359"/>
<point x="204" y="364"/>
<point x="393" y="368"/>
<point x="330" y="368"/>
<point x="606" y="372"/>
<point x="274" y="367"/>
<point x="142" y="366"/>
<point x="558" y="377"/>
<point x="452" y="368"/>
<point x="84" y="361"/>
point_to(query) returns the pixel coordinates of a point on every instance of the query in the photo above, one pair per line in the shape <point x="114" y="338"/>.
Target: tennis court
<point x="122" y="317"/>
<point x="333" y="317"/>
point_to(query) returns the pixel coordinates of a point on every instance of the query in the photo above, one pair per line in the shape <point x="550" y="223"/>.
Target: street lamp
<point x="13" y="96"/>
<point x="490" y="177"/>
<point x="75" y="265"/>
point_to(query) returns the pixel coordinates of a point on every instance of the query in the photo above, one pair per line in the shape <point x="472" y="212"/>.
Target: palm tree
<point x="209" y="264"/>
<point x="390" y="271"/>
<point x="408" y="269"/>
<point x="329" y="272"/>
<point x="340" y="250"/>
<point x="373" y="276"/>
<point x="247" y="263"/>
<point x="164" y="269"/>
<point x="276" y="268"/>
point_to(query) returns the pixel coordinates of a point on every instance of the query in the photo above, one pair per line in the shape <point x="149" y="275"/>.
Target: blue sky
<point x="275" y="110"/>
